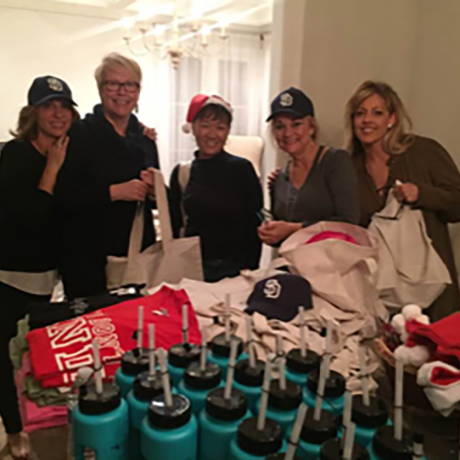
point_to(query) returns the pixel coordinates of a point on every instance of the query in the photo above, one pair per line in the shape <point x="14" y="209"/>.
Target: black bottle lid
<point x="248" y="376"/>
<point x="319" y="431"/>
<point x="332" y="450"/>
<point x="146" y="388"/>
<point x="388" y="448"/>
<point x="335" y="384"/>
<point x="280" y="456"/>
<point x="182" y="354"/>
<point x="208" y="379"/>
<point x="296" y="363"/>
<point x="373" y="416"/>
<point x="221" y="347"/>
<point x="169" y="418"/>
<point x="91" y="403"/>
<point x="135" y="361"/>
<point x="261" y="443"/>
<point x="227" y="410"/>
<point x="288" y="399"/>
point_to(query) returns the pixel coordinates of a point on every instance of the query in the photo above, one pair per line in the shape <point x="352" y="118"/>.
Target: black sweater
<point x="98" y="157"/>
<point x="221" y="200"/>
<point x="27" y="225"/>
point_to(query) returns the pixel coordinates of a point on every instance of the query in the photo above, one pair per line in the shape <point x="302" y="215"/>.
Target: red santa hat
<point x="197" y="103"/>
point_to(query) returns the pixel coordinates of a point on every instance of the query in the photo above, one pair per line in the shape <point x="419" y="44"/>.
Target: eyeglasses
<point x="129" y="86"/>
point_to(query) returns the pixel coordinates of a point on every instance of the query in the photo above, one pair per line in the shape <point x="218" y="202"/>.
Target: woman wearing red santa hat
<point x="217" y="196"/>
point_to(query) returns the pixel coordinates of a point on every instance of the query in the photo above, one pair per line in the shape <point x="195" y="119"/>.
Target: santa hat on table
<point x="200" y="101"/>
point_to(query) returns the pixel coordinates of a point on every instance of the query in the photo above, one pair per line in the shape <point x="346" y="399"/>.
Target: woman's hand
<point x="57" y="153"/>
<point x="272" y="232"/>
<point x="407" y="193"/>
<point x="148" y="178"/>
<point x="151" y="133"/>
<point x="272" y="178"/>
<point x="133" y="190"/>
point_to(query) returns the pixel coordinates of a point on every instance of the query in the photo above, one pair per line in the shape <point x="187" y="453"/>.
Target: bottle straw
<point x="227" y="317"/>
<point x="140" y="328"/>
<point x="346" y="419"/>
<point x="265" y="394"/>
<point x="349" y="442"/>
<point x="231" y="369"/>
<point x="398" y="427"/>
<point x="152" y="370"/>
<point x="364" y="377"/>
<point x="328" y="353"/>
<point x="282" y="372"/>
<point x="164" y="377"/>
<point x="303" y="340"/>
<point x="97" y="367"/>
<point x="185" y="323"/>
<point x="204" y="350"/>
<point x="296" y="430"/>
<point x="250" y="343"/>
<point x="320" y="392"/>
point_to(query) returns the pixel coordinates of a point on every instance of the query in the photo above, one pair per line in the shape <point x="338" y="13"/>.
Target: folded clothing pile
<point x="59" y="350"/>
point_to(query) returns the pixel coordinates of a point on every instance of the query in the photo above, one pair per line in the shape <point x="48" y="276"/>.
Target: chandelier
<point x="175" y="39"/>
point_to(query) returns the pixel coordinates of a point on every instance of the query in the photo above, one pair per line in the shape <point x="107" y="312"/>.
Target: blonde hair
<point x="117" y="60"/>
<point x="27" y="126"/>
<point x="398" y="139"/>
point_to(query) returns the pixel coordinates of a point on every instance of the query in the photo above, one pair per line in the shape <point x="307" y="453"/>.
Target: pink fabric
<point x="328" y="235"/>
<point x="34" y="417"/>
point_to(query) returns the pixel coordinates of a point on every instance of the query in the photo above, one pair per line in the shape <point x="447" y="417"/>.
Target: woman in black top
<point x="218" y="195"/>
<point x="29" y="165"/>
<point x="104" y="177"/>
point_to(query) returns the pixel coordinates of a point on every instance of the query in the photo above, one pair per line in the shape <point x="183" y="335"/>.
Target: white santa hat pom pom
<point x="418" y="355"/>
<point x="187" y="128"/>
<point x="402" y="354"/>
<point x="404" y="336"/>
<point x="399" y="323"/>
<point x="411" y="312"/>
<point x="424" y="319"/>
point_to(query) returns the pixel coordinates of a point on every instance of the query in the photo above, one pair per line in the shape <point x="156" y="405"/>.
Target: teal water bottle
<point x="249" y="380"/>
<point x="385" y="447"/>
<point x="179" y="358"/>
<point x="368" y="419"/>
<point x="198" y="382"/>
<point x="251" y="443"/>
<point x="145" y="389"/>
<point x="169" y="432"/>
<point x="219" y="422"/>
<point x="315" y="433"/>
<point x="298" y="367"/>
<point x="332" y="450"/>
<point x="132" y="364"/>
<point x="334" y="391"/>
<point x="220" y="351"/>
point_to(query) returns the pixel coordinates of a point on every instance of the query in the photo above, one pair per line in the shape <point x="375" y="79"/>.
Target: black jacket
<point x="27" y="219"/>
<point x="221" y="200"/>
<point x="94" y="226"/>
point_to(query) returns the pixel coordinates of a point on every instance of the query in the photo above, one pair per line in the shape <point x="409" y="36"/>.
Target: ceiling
<point x="249" y="13"/>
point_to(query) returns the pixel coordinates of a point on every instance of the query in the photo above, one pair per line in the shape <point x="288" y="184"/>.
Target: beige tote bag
<point x="168" y="261"/>
<point x="410" y="269"/>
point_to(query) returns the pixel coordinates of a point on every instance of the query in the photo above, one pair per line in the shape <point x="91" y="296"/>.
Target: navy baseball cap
<point x="46" y="88"/>
<point x="280" y="296"/>
<point x="294" y="102"/>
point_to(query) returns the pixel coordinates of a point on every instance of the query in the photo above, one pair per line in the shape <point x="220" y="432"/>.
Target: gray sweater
<point x="329" y="193"/>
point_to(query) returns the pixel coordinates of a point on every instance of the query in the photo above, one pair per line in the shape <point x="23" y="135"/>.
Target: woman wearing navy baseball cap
<point x="318" y="183"/>
<point x="29" y="166"/>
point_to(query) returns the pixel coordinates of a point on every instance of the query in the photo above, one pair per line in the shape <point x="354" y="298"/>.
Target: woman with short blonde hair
<point x="385" y="151"/>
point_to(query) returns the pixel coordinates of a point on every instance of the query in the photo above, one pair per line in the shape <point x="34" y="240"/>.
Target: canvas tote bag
<point x="340" y="272"/>
<point x="410" y="269"/>
<point x="167" y="261"/>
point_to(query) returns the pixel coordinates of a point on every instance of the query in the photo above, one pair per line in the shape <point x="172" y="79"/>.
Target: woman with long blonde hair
<point x="384" y="151"/>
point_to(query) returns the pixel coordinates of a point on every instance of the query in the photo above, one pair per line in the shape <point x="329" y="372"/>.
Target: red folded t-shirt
<point x="58" y="351"/>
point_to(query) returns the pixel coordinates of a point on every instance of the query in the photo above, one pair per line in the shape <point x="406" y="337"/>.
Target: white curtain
<point x="236" y="69"/>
